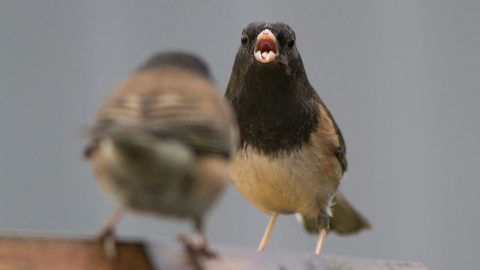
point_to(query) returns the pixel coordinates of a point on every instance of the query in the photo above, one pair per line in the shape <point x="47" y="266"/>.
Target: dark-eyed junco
<point x="291" y="156"/>
<point x="162" y="142"/>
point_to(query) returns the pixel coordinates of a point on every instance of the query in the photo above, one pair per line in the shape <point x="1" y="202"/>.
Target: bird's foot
<point x="107" y="237"/>
<point x="197" y="248"/>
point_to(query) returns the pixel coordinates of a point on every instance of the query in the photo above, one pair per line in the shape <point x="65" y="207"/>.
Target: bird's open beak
<point x="266" y="47"/>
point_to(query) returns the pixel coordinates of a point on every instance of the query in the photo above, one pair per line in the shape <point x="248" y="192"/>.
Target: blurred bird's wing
<point x="169" y="104"/>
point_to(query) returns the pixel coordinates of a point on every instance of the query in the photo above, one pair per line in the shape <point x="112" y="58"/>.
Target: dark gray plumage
<point x="292" y="155"/>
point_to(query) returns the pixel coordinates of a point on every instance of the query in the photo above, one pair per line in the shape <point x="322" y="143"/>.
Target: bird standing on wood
<point x="291" y="156"/>
<point x="162" y="143"/>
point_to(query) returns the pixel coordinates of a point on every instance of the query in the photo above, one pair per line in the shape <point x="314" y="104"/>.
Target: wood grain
<point x="38" y="253"/>
<point x="59" y="253"/>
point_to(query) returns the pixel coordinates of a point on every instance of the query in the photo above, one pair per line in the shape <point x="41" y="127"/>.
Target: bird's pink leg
<point x="268" y="232"/>
<point x="322" y="232"/>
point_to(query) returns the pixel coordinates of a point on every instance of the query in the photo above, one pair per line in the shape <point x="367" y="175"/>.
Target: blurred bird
<point x="162" y="143"/>
<point x="291" y="156"/>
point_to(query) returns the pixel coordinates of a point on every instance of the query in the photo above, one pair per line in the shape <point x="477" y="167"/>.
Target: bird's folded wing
<point x="185" y="121"/>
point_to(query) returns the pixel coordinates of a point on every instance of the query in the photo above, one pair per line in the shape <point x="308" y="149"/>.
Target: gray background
<point x="401" y="78"/>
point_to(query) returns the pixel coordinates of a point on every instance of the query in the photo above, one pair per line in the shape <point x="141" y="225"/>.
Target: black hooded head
<point x="268" y="49"/>
<point x="276" y="106"/>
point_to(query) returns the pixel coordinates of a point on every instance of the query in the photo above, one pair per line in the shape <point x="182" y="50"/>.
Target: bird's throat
<point x="275" y="113"/>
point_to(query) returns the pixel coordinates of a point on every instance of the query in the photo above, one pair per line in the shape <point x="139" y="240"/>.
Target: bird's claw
<point x="198" y="249"/>
<point x="107" y="238"/>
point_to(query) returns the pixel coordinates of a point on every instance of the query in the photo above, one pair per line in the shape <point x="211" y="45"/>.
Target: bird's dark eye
<point x="290" y="43"/>
<point x="244" y="39"/>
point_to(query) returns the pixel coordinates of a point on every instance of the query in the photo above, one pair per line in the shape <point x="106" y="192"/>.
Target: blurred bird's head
<point x="179" y="59"/>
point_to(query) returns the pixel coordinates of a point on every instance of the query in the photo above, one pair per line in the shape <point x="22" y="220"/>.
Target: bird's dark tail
<point x="346" y="219"/>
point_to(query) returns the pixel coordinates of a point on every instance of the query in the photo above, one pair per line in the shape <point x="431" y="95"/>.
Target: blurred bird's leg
<point x="268" y="232"/>
<point x="107" y="233"/>
<point x="201" y="240"/>
<point x="323" y="222"/>
<point x="199" y="246"/>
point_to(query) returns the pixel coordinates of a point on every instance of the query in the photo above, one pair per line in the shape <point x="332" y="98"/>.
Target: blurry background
<point x="401" y="78"/>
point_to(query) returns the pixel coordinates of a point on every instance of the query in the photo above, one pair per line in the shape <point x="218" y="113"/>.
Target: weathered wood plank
<point x="38" y="253"/>
<point x="233" y="258"/>
<point x="55" y="253"/>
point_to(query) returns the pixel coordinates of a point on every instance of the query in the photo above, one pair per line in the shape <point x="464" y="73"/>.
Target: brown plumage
<point x="292" y="155"/>
<point x="162" y="141"/>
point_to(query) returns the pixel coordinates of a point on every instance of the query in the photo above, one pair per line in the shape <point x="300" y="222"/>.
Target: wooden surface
<point x="52" y="253"/>
<point x="232" y="258"/>
<point x="35" y="253"/>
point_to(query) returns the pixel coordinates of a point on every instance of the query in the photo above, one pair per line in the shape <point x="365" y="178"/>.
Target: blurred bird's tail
<point x="345" y="220"/>
<point x="130" y="141"/>
<point x="131" y="148"/>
